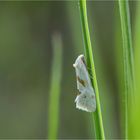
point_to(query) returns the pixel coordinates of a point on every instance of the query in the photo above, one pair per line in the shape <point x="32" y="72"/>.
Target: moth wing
<point x="80" y="87"/>
<point x="84" y="75"/>
<point x="86" y="102"/>
<point x="83" y="80"/>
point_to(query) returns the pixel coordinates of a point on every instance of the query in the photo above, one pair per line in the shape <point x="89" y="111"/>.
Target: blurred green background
<point x="26" y="52"/>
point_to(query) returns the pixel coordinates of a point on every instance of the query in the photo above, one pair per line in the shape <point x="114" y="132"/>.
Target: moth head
<point x="80" y="59"/>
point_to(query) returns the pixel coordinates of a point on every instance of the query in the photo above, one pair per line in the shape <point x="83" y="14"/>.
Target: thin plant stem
<point x="97" y="115"/>
<point x="135" y="115"/>
<point x="128" y="63"/>
<point x="56" y="75"/>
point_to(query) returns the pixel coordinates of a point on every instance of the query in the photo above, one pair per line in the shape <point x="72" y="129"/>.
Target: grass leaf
<point x="128" y="64"/>
<point x="97" y="116"/>
<point x="55" y="86"/>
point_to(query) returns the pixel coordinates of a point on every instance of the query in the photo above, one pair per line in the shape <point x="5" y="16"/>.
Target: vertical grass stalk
<point x="127" y="62"/>
<point x="55" y="87"/>
<point x="97" y="116"/>
<point x="135" y="115"/>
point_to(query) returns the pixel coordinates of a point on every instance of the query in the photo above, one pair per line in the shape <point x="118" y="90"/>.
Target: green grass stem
<point x="56" y="74"/>
<point x="135" y="115"/>
<point x="97" y="116"/>
<point x="128" y="63"/>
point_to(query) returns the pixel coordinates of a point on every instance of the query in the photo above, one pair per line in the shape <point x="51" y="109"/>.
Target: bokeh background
<point x="26" y="53"/>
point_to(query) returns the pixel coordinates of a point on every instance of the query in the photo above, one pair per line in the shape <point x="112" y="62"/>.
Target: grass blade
<point x="127" y="62"/>
<point x="55" y="87"/>
<point x="135" y="115"/>
<point x="97" y="116"/>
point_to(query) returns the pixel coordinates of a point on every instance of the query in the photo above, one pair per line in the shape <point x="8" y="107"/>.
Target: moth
<point x="86" y="100"/>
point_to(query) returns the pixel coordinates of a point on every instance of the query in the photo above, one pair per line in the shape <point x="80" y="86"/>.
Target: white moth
<point x="86" y="100"/>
